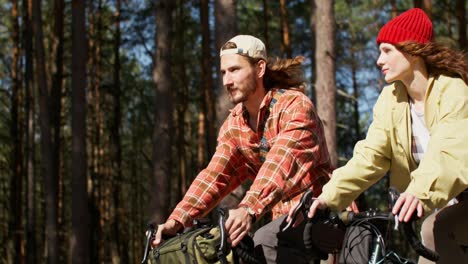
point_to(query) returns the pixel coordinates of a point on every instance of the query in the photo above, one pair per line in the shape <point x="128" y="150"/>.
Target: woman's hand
<point x="405" y="207"/>
<point x="316" y="204"/>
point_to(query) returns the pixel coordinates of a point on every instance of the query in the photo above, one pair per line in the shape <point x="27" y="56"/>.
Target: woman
<point x="418" y="134"/>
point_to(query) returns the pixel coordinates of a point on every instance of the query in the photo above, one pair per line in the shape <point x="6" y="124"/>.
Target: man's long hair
<point x="285" y="74"/>
<point x="438" y="58"/>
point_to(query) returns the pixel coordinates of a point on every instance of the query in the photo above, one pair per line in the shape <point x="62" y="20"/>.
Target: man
<point x="272" y="136"/>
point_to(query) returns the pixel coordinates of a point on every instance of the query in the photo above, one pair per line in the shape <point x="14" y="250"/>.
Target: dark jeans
<point x="281" y="247"/>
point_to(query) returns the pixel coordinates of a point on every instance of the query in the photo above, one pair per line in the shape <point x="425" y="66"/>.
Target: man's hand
<point x="405" y="207"/>
<point x="169" y="228"/>
<point x="238" y="225"/>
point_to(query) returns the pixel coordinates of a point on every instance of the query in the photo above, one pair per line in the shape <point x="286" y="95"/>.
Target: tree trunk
<point x="120" y="233"/>
<point x="56" y="109"/>
<point x="182" y="104"/>
<point x="461" y="24"/>
<point x="31" y="245"/>
<point x="313" y="63"/>
<point x="425" y="5"/>
<point x="325" y="85"/>
<point x="94" y="140"/>
<point x="80" y="240"/>
<point x="48" y="163"/>
<point x="285" y="38"/>
<point x="354" y="68"/>
<point x="163" y="112"/>
<point x="394" y="8"/>
<point x="16" y="134"/>
<point x="207" y="80"/>
<point x="225" y="28"/>
<point x="266" y="18"/>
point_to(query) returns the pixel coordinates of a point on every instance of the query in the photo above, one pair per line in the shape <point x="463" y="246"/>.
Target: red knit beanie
<point x="410" y="25"/>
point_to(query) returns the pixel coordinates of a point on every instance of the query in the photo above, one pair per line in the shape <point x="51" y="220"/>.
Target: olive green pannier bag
<point x="201" y="245"/>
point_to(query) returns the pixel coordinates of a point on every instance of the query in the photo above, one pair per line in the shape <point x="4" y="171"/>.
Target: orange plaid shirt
<point x="297" y="160"/>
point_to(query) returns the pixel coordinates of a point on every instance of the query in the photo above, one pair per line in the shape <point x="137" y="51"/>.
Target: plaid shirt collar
<point x="240" y="109"/>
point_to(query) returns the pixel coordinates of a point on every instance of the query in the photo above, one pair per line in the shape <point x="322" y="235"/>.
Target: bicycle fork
<point x="377" y="251"/>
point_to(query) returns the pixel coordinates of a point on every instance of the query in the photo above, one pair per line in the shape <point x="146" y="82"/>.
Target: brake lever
<point x="150" y="232"/>
<point x="303" y="206"/>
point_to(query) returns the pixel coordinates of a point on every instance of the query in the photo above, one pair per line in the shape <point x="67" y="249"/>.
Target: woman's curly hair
<point x="438" y="58"/>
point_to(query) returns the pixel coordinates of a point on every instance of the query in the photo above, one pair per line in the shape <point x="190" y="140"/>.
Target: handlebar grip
<point x="308" y="235"/>
<point x="222" y="230"/>
<point x="149" y="236"/>
<point x="416" y="243"/>
<point x="320" y="250"/>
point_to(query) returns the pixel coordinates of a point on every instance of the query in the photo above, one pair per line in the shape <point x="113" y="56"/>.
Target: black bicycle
<point x="367" y="226"/>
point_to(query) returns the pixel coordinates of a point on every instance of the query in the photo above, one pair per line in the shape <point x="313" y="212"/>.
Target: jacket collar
<point x="401" y="116"/>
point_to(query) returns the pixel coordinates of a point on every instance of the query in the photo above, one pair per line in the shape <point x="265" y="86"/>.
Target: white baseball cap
<point x="247" y="45"/>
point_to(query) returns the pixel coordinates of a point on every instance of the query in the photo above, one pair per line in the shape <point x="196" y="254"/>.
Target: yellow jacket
<point x="442" y="173"/>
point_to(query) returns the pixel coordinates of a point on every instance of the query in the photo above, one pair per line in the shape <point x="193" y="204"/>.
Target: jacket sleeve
<point x="224" y="173"/>
<point x="298" y="149"/>
<point x="370" y="161"/>
<point x="443" y="171"/>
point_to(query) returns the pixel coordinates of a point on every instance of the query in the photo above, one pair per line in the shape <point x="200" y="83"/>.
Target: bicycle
<point x="338" y="223"/>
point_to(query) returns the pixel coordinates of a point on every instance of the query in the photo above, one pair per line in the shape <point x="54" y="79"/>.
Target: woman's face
<point x="396" y="66"/>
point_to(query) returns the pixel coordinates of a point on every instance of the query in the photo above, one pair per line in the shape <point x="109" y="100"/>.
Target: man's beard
<point x="242" y="95"/>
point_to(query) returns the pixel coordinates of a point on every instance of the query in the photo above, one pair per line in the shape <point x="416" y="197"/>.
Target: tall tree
<point x="207" y="80"/>
<point x="354" y="69"/>
<point x="119" y="233"/>
<point x="426" y="5"/>
<point x="30" y="149"/>
<point x="48" y="162"/>
<point x="461" y="17"/>
<point x="285" y="38"/>
<point x="225" y="28"/>
<point x="80" y="240"/>
<point x="182" y="99"/>
<point x="266" y="18"/>
<point x="325" y="84"/>
<point x="16" y="133"/>
<point x="313" y="64"/>
<point x="163" y="111"/>
<point x="56" y="105"/>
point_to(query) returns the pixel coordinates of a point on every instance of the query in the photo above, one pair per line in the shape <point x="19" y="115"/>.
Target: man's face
<point x="239" y="77"/>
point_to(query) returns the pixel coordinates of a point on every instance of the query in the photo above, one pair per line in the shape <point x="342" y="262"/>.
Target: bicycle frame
<point x="378" y="252"/>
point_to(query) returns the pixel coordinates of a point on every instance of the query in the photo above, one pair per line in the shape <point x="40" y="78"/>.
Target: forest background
<point x="109" y="108"/>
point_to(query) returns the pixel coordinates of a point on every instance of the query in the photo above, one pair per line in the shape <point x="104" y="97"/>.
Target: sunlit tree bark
<point x="325" y="84"/>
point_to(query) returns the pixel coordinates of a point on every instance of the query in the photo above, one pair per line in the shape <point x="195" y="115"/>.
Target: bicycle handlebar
<point x="348" y="218"/>
<point x="149" y="237"/>
<point x="416" y="243"/>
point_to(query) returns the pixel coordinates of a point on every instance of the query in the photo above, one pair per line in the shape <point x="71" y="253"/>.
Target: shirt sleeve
<point x="298" y="148"/>
<point x="443" y="171"/>
<point x="370" y="161"/>
<point x="223" y="174"/>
